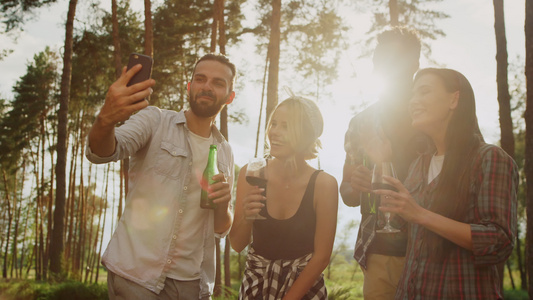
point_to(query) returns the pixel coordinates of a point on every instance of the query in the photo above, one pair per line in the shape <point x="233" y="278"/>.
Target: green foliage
<point x="13" y="13"/>
<point x="93" y="68"/>
<point x="228" y="294"/>
<point x="515" y="295"/>
<point x="182" y="32"/>
<point x="32" y="290"/>
<point x="311" y="39"/>
<point x="76" y="290"/>
<point x="340" y="293"/>
<point x="413" y="13"/>
<point x="317" y="40"/>
<point x="35" y="97"/>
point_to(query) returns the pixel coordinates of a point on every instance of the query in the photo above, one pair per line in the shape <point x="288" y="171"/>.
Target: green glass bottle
<point x="207" y="178"/>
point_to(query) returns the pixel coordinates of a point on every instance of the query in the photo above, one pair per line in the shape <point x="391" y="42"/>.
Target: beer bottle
<point x="207" y="178"/>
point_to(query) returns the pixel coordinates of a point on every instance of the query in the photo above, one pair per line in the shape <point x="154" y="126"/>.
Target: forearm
<point x="223" y="219"/>
<point x="102" y="138"/>
<point x="307" y="278"/>
<point x="457" y="232"/>
<point x="350" y="197"/>
<point x="241" y="234"/>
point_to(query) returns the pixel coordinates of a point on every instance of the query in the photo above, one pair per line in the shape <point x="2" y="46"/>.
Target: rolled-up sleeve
<point x="494" y="229"/>
<point x="130" y="137"/>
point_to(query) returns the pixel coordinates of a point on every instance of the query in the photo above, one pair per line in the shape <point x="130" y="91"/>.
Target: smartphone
<point x="145" y="73"/>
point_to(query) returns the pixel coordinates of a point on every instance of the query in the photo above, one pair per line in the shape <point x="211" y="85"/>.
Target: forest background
<point x="320" y="49"/>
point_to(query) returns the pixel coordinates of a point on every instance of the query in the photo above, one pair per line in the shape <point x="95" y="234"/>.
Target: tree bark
<point x="523" y="273"/>
<point x="504" y="99"/>
<point x="261" y="107"/>
<point x="217" y="291"/>
<point x="528" y="116"/>
<point x="148" y="31"/>
<point x="116" y="39"/>
<point x="56" y="243"/>
<point x="273" y="50"/>
<point x="219" y="4"/>
<point x="394" y="14"/>
<point x="9" y="218"/>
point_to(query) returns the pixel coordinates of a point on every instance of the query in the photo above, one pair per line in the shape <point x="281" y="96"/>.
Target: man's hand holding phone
<point x="123" y="100"/>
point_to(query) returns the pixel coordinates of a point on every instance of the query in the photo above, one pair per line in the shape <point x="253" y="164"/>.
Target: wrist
<point x="423" y="217"/>
<point x="103" y="122"/>
<point x="222" y="208"/>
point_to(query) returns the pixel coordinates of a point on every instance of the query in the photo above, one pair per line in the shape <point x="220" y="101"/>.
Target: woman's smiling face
<point x="432" y="105"/>
<point x="278" y="133"/>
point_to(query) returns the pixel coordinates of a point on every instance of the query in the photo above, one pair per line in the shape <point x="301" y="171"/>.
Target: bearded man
<point x="164" y="244"/>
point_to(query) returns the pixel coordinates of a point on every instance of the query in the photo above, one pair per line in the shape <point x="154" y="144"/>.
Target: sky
<point x="469" y="47"/>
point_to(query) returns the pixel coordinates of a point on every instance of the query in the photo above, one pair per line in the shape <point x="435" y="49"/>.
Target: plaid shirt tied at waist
<point x="271" y="279"/>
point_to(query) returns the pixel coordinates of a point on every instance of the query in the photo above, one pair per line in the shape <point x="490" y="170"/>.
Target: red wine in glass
<point x="257" y="181"/>
<point x="256" y="176"/>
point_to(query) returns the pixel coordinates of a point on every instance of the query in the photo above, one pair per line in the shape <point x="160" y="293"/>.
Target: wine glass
<point x="378" y="183"/>
<point x="256" y="176"/>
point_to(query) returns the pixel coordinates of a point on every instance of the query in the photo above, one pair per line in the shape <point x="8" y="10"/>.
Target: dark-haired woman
<point x="460" y="200"/>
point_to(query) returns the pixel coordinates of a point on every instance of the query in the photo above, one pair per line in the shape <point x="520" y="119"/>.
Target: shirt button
<point x="185" y="188"/>
<point x="174" y="237"/>
<point x="169" y="261"/>
<point x="180" y="211"/>
<point x="173" y="152"/>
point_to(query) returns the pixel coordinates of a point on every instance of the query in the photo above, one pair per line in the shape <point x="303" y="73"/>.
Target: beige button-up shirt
<point x="160" y="170"/>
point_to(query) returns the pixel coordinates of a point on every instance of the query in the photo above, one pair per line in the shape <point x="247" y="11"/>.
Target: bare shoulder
<point x="326" y="193"/>
<point x="325" y="181"/>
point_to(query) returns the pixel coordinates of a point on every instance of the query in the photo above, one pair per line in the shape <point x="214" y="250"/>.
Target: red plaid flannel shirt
<point x="492" y="216"/>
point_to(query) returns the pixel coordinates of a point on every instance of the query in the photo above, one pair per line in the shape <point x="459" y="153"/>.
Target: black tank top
<point x="289" y="238"/>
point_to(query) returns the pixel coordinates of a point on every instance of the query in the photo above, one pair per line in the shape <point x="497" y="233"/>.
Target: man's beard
<point x="203" y="110"/>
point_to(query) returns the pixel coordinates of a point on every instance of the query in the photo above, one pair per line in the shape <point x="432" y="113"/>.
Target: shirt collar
<point x="180" y="119"/>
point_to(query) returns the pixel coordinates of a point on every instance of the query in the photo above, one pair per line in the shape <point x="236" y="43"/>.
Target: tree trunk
<point x="218" y="274"/>
<point x="116" y="39"/>
<point x="523" y="273"/>
<point x="273" y="50"/>
<point x="56" y="243"/>
<point x="219" y="4"/>
<point x="16" y="218"/>
<point x="25" y="225"/>
<point x="218" y="27"/>
<point x="9" y="218"/>
<point x="508" y="265"/>
<point x="214" y="28"/>
<point x="394" y="14"/>
<point x="148" y="31"/>
<point x="14" y="253"/>
<point x="227" y="264"/>
<point x="261" y="107"/>
<point x="103" y="225"/>
<point x="504" y="99"/>
<point x="528" y="116"/>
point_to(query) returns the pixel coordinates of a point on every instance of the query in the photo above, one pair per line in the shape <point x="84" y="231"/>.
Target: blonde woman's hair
<point x="304" y="126"/>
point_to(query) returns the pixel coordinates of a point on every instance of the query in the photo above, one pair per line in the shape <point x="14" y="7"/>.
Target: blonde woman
<point x="292" y="246"/>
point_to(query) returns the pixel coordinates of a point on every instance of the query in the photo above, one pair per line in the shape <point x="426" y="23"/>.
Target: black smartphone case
<point x="145" y="73"/>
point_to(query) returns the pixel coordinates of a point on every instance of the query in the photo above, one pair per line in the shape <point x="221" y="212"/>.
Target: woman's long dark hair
<point x="463" y="139"/>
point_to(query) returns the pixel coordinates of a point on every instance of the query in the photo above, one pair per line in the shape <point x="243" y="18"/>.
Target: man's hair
<point x="406" y="36"/>
<point x="221" y="59"/>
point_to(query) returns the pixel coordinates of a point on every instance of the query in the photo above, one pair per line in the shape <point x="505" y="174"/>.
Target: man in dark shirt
<point x="382" y="132"/>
